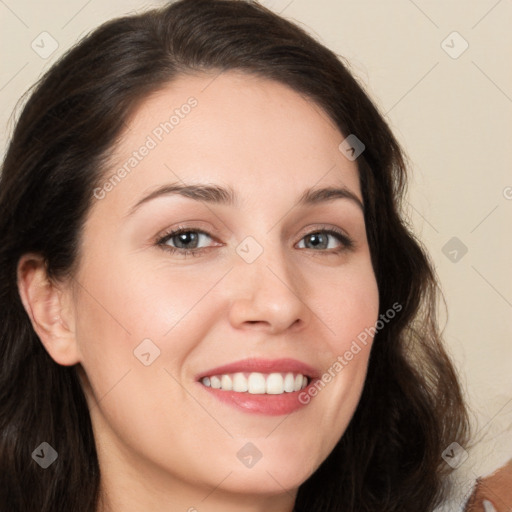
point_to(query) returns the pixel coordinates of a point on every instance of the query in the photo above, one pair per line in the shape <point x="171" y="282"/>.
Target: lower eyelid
<point x="162" y="240"/>
<point x="346" y="243"/>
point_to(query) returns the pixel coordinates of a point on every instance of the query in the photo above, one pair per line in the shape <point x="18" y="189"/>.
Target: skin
<point x="164" y="443"/>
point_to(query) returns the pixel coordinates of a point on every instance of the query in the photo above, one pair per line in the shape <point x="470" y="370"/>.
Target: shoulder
<point x="492" y="493"/>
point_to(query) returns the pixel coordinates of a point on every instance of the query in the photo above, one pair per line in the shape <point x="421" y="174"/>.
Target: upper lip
<point x="283" y="365"/>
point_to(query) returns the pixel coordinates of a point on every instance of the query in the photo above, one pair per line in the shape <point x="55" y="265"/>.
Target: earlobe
<point x="46" y="305"/>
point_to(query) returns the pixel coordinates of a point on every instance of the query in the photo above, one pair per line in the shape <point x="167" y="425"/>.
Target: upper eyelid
<point x="161" y="239"/>
<point x="177" y="231"/>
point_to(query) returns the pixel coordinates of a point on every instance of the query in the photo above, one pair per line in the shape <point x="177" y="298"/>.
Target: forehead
<point x="250" y="133"/>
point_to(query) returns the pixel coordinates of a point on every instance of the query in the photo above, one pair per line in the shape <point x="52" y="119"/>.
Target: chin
<point x="271" y="474"/>
<point x="269" y="482"/>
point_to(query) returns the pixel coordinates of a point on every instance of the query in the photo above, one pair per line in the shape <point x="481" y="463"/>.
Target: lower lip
<point x="270" y="405"/>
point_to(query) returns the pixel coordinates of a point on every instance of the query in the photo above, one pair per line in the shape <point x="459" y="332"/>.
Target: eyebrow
<point x="215" y="194"/>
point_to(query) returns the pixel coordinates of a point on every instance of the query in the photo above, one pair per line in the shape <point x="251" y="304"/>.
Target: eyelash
<point x="347" y="242"/>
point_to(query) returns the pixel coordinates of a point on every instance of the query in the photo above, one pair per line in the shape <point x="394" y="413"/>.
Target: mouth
<point x="257" y="383"/>
<point x="270" y="387"/>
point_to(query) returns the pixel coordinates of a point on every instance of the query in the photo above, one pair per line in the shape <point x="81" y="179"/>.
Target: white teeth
<point x="215" y="382"/>
<point x="289" y="382"/>
<point x="275" y="384"/>
<point x="257" y="383"/>
<point x="298" y="383"/>
<point x="226" y="383"/>
<point x="239" y="383"/>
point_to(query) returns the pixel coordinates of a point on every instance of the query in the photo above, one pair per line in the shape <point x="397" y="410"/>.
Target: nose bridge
<point x="267" y="286"/>
<point x="265" y="259"/>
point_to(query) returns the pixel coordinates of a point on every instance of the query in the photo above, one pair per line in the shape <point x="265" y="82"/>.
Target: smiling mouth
<point x="257" y="383"/>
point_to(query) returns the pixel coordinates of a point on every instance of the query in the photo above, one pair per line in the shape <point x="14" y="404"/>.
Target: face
<point x="262" y="293"/>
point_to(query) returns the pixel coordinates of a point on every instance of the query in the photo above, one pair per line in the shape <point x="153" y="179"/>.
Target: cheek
<point x="131" y="313"/>
<point x="350" y="307"/>
<point x="121" y="304"/>
<point x="350" y="311"/>
<point x="115" y="315"/>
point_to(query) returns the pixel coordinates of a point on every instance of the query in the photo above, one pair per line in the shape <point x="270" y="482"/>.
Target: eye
<point x="320" y="239"/>
<point x="185" y="241"/>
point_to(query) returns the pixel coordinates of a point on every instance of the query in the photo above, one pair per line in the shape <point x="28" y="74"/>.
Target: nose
<point x="268" y="293"/>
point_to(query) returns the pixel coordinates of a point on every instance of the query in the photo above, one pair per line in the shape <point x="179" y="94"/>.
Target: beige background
<point x="454" y="118"/>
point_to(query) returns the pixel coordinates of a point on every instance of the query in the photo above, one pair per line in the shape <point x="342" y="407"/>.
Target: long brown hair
<point x="411" y="408"/>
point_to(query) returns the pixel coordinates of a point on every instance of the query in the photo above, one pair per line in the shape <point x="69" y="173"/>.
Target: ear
<point x="48" y="304"/>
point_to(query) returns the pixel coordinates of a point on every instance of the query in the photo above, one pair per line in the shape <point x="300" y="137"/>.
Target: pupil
<point x="316" y="237"/>
<point x="183" y="237"/>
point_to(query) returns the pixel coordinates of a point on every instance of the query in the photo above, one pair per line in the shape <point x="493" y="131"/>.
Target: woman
<point x="210" y="300"/>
